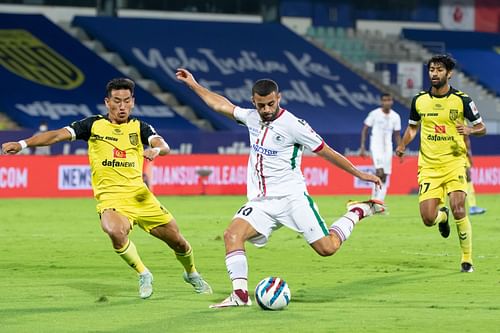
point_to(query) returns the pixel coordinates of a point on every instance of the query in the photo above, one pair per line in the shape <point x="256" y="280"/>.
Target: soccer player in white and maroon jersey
<point x="385" y="123"/>
<point x="276" y="190"/>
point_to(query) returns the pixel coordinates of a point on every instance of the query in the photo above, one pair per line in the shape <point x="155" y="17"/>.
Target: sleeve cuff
<point x="152" y="137"/>
<point x="477" y="121"/>
<point x="413" y="122"/>
<point x="72" y="132"/>
<point x="319" y="147"/>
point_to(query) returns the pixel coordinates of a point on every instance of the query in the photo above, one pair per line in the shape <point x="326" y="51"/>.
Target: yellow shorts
<point x="143" y="209"/>
<point x="436" y="183"/>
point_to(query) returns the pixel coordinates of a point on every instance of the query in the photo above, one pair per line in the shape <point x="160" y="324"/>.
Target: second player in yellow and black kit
<point x="443" y="154"/>
<point x="116" y="154"/>
<point x="440" y="113"/>
<point x="116" y="159"/>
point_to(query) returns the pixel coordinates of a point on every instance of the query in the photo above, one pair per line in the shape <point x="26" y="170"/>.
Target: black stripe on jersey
<point x="83" y="127"/>
<point x="466" y="100"/>
<point x="146" y="132"/>
<point x="414" y="115"/>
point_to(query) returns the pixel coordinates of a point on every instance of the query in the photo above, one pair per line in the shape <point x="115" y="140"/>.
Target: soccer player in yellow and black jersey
<point x="116" y="154"/>
<point x="441" y="114"/>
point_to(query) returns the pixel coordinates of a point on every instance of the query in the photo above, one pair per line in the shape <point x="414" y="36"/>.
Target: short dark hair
<point x="120" y="83"/>
<point x="385" y="95"/>
<point x="445" y="59"/>
<point x="264" y="87"/>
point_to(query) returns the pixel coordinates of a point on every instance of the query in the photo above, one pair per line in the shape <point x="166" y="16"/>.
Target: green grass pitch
<point x="58" y="273"/>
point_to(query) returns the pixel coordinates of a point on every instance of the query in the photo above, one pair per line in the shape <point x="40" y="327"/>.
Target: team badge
<point x="28" y="57"/>
<point x="278" y="139"/>
<point x="453" y="114"/>
<point x="133" y="138"/>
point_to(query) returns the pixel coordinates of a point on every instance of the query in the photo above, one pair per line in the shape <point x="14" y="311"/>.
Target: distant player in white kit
<point x="276" y="189"/>
<point x="384" y="123"/>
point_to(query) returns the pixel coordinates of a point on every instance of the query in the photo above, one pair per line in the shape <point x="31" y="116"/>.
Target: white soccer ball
<point x="272" y="293"/>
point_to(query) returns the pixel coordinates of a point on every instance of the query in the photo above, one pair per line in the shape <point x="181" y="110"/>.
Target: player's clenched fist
<point x="11" y="148"/>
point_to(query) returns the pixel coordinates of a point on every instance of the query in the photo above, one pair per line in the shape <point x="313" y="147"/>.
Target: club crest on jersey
<point x="278" y="139"/>
<point x="453" y="114"/>
<point x="133" y="138"/>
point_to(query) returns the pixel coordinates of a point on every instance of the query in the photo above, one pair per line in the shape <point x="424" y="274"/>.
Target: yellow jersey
<point x="115" y="154"/>
<point x="440" y="143"/>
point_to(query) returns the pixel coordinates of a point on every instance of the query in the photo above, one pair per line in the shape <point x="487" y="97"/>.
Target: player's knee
<point x="458" y="211"/>
<point x="114" y="231"/>
<point x="428" y="221"/>
<point x="231" y="237"/>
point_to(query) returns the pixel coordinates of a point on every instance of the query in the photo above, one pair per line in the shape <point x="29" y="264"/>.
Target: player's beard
<point x="441" y="83"/>
<point x="272" y="116"/>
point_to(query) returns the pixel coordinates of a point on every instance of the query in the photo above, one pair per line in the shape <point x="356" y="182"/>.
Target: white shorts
<point x="298" y="212"/>
<point x="382" y="159"/>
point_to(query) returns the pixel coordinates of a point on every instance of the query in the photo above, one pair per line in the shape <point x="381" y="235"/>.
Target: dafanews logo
<point x="26" y="56"/>
<point x="435" y="137"/>
<point x="117" y="164"/>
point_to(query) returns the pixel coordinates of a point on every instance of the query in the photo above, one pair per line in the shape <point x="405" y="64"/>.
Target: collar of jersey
<point x="451" y="91"/>
<point x="107" y="118"/>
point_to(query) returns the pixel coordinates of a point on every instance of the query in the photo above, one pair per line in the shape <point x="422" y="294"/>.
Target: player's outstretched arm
<point x="42" y="139"/>
<point x="215" y="101"/>
<point x="343" y="163"/>
<point x="158" y="148"/>
<point x="410" y="133"/>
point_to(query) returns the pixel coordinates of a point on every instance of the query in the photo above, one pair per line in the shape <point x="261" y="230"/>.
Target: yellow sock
<point x="187" y="260"/>
<point x="464" y="229"/>
<point x="441" y="217"/>
<point x="471" y="195"/>
<point x="131" y="257"/>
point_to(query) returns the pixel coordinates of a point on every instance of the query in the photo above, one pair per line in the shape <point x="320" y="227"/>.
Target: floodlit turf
<point x="58" y="273"/>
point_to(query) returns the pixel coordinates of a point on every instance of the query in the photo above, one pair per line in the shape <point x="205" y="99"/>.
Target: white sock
<point x="375" y="192"/>
<point x="237" y="267"/>
<point x="344" y="225"/>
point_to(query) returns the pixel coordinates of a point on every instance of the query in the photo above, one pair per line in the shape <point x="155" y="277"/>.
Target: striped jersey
<point x="276" y="150"/>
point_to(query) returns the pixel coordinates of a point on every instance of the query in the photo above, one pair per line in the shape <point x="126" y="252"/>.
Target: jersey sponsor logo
<point x="264" y="151"/>
<point x="117" y="164"/>
<point x="104" y="138"/>
<point x="117" y="153"/>
<point x="453" y="114"/>
<point x="430" y="114"/>
<point x="440" y="129"/>
<point x="473" y="107"/>
<point x="117" y="131"/>
<point x="133" y="138"/>
<point x="435" y="137"/>
<point x="28" y="57"/>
